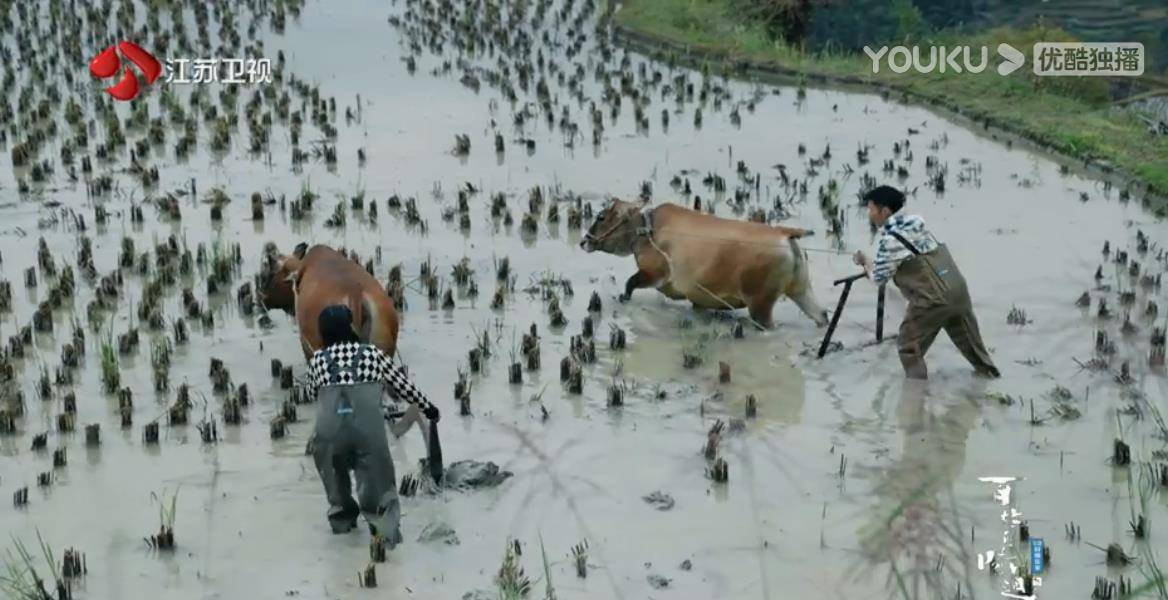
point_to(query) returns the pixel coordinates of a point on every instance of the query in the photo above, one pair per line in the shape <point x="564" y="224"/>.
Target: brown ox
<point x="311" y="279"/>
<point x="712" y="262"/>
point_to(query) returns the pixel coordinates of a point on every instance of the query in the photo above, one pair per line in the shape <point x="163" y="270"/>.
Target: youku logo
<point x="106" y="65"/>
<point x="942" y="59"/>
<point x="1108" y="59"/>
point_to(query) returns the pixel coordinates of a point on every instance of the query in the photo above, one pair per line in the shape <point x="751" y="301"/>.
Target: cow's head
<point x="277" y="278"/>
<point x="615" y="229"/>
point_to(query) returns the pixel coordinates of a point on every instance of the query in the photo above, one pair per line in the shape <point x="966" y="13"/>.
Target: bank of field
<point x="1071" y="115"/>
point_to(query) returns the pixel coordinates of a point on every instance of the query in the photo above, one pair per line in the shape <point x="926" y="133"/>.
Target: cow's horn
<point x="301" y="248"/>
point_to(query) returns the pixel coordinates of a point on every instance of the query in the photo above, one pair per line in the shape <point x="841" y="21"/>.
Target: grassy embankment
<point x="1072" y="116"/>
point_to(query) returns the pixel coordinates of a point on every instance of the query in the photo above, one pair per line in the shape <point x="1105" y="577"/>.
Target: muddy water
<point x="788" y="524"/>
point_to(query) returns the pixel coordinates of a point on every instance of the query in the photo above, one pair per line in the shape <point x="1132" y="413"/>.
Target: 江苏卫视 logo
<point x="106" y="65"/>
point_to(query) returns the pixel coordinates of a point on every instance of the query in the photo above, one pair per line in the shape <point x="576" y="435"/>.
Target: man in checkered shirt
<point x="938" y="297"/>
<point x="348" y="377"/>
<point x="370" y="365"/>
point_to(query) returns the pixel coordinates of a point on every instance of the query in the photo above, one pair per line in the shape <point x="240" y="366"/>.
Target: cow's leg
<point x="381" y="323"/>
<point x="639" y="280"/>
<point x="306" y="319"/>
<point x="807" y="303"/>
<point x="670" y="292"/>
<point x="653" y="269"/>
<point x="760" y="308"/>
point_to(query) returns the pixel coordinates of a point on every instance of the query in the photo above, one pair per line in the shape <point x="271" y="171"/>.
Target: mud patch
<point x="659" y="500"/>
<point x="439" y="532"/>
<point x="472" y="474"/>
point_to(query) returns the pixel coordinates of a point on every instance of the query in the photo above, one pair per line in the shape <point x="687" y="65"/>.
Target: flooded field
<point x="849" y="482"/>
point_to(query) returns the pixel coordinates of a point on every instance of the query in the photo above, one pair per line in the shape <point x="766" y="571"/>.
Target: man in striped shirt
<point x="938" y="298"/>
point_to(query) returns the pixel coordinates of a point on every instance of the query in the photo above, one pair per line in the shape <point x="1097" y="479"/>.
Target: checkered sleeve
<point x="317" y="372"/>
<point x="399" y="385"/>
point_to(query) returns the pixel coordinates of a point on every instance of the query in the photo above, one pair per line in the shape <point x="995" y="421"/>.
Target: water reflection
<point x="916" y="525"/>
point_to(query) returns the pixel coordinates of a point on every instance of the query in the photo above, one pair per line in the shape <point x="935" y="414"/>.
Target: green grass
<point x="166" y="514"/>
<point x="111" y="375"/>
<point x="549" y="589"/>
<point x="1141" y="491"/>
<point x="20" y="579"/>
<point x="1071" y="115"/>
<point x="510" y="581"/>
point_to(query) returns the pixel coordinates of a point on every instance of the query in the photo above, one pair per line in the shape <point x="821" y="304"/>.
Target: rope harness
<point x="604" y="235"/>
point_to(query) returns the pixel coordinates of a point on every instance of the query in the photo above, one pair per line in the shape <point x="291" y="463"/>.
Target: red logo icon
<point x="107" y="64"/>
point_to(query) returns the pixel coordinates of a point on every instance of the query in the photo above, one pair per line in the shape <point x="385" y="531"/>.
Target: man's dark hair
<point x="335" y="324"/>
<point x="886" y="196"/>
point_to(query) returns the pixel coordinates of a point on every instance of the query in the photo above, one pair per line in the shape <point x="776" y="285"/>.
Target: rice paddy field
<point x="152" y="446"/>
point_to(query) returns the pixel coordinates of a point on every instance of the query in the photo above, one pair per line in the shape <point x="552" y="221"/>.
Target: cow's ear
<point x="301" y="248"/>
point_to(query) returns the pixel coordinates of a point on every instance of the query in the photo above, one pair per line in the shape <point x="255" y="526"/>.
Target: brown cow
<point x="714" y="263"/>
<point x="311" y="279"/>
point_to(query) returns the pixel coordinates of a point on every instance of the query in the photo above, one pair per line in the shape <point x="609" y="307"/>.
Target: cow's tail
<point x="796" y="232"/>
<point x="799" y="268"/>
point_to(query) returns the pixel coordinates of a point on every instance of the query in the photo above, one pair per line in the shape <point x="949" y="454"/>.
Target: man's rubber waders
<point x="938" y="298"/>
<point x="350" y="436"/>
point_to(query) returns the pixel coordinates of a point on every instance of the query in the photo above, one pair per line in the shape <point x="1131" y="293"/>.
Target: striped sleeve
<point x="400" y="386"/>
<point x="888" y="256"/>
<point x="890" y="251"/>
